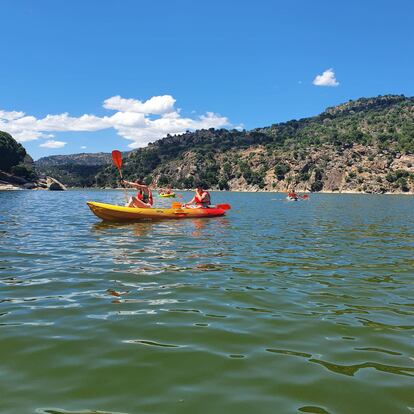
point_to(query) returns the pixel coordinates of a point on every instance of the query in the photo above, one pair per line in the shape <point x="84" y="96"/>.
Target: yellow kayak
<point x="110" y="212"/>
<point x="166" y="195"/>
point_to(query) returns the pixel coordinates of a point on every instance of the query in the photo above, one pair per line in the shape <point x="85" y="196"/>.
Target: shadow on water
<point x="139" y="228"/>
<point x="144" y="228"/>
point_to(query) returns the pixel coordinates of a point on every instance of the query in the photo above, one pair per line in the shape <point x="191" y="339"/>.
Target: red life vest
<point x="202" y="202"/>
<point x="145" y="198"/>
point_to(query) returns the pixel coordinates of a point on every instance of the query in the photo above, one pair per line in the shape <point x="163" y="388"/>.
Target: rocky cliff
<point x="17" y="169"/>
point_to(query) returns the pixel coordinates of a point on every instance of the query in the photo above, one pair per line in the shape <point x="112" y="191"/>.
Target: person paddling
<point x="143" y="199"/>
<point x="292" y="195"/>
<point x="201" y="199"/>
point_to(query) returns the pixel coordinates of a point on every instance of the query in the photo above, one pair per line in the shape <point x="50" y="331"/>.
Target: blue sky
<point x="232" y="63"/>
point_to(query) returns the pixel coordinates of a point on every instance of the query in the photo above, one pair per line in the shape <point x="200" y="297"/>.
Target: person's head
<point x="199" y="188"/>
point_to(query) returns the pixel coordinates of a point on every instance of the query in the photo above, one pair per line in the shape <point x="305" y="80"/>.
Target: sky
<point x="97" y="75"/>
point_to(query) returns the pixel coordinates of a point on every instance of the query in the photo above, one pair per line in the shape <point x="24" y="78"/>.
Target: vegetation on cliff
<point x="14" y="159"/>
<point x="365" y="145"/>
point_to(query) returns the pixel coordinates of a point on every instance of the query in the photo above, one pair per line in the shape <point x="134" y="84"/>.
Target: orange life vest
<point x="203" y="202"/>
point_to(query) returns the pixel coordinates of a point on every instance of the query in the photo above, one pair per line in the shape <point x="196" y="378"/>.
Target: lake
<point x="278" y="307"/>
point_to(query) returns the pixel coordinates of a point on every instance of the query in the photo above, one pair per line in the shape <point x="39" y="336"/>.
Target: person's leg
<point x="130" y="202"/>
<point x="140" y="204"/>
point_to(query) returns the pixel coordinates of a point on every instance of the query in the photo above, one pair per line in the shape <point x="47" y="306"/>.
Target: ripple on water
<point x="231" y="315"/>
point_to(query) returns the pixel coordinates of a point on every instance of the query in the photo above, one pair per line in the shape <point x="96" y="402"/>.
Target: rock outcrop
<point x="12" y="182"/>
<point x="17" y="169"/>
<point x="54" y="185"/>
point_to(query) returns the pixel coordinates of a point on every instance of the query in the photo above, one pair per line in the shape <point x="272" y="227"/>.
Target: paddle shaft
<point x="126" y="192"/>
<point x="117" y="159"/>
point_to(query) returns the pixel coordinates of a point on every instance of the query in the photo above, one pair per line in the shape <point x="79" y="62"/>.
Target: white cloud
<point x="137" y="121"/>
<point x="326" y="79"/>
<point x="9" y="116"/>
<point x="156" y="105"/>
<point x="83" y="147"/>
<point x="53" y="144"/>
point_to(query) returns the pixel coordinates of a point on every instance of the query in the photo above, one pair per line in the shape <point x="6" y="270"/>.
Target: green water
<point x="278" y="307"/>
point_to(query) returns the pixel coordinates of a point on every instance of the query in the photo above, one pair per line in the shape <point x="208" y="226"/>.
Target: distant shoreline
<point x="276" y="192"/>
<point x="10" y="187"/>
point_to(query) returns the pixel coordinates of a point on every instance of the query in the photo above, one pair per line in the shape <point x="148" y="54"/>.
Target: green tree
<point x="11" y="152"/>
<point x="281" y="169"/>
<point x="316" y="186"/>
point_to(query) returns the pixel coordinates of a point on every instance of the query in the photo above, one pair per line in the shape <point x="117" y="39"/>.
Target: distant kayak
<point x="304" y="197"/>
<point x="110" y="212"/>
<point x="167" y="195"/>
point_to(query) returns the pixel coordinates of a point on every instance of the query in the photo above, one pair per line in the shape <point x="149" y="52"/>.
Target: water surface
<point x="278" y="307"/>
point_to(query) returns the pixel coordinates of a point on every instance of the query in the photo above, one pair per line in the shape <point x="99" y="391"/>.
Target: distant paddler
<point x="143" y="199"/>
<point x="166" y="193"/>
<point x="292" y="195"/>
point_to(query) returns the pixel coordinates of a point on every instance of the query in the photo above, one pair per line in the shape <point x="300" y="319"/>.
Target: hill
<point x="75" y="170"/>
<point x="14" y="161"/>
<point x="17" y="169"/>
<point x="364" y="145"/>
<point x="99" y="158"/>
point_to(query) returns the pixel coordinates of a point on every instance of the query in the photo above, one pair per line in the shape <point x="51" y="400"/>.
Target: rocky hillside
<point x="99" y="158"/>
<point x="75" y="170"/>
<point x="365" y="145"/>
<point x="17" y="169"/>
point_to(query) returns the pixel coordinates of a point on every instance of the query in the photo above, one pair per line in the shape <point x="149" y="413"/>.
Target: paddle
<point x="224" y="206"/>
<point x="117" y="159"/>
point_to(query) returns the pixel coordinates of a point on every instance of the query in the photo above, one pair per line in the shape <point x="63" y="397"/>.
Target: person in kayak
<point x="143" y="199"/>
<point x="201" y="199"/>
<point x="292" y="195"/>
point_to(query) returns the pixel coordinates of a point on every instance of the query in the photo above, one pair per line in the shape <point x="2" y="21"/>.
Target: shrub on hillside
<point x="24" y="171"/>
<point x="316" y="186"/>
<point x="281" y="169"/>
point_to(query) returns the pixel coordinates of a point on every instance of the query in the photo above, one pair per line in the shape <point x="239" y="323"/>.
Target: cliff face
<point x="324" y="168"/>
<point x="365" y="145"/>
<point x="100" y="158"/>
<point x="17" y="169"/>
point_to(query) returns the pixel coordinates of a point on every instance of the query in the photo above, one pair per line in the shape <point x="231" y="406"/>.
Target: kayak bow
<point x="110" y="212"/>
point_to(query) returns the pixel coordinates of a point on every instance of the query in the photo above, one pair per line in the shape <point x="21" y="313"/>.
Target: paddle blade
<point x="176" y="204"/>
<point x="179" y="195"/>
<point x="224" y="206"/>
<point x="117" y="158"/>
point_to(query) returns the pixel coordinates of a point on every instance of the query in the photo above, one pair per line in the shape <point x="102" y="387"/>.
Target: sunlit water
<point x="276" y="308"/>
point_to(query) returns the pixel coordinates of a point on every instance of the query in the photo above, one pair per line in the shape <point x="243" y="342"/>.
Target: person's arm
<point x="203" y="196"/>
<point x="190" y="202"/>
<point x="136" y="185"/>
